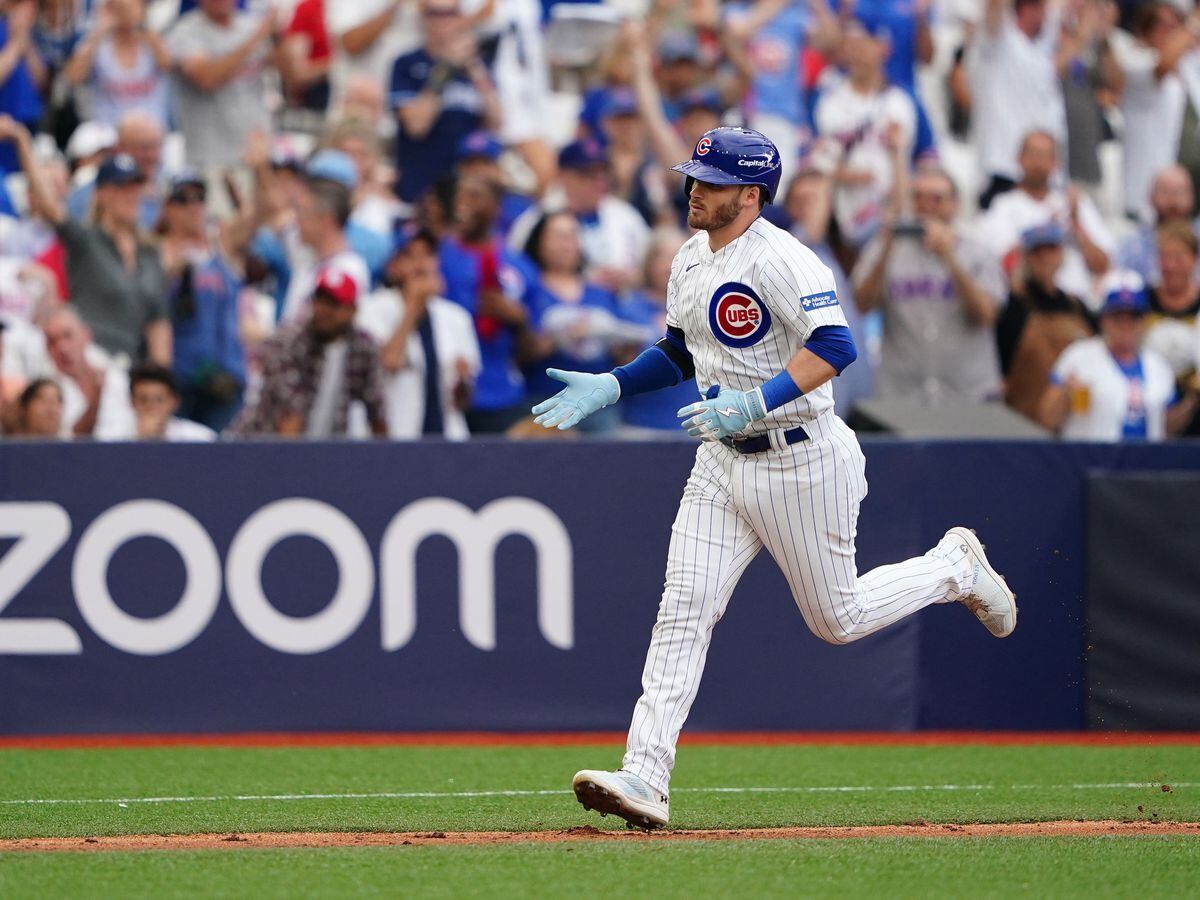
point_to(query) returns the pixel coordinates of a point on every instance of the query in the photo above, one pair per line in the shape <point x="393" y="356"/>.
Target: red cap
<point x="338" y="287"/>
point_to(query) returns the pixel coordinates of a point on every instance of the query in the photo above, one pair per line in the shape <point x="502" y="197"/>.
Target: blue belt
<point x="762" y="442"/>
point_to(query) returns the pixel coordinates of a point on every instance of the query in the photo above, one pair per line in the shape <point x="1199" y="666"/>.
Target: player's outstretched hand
<point x="583" y="395"/>
<point x="727" y="413"/>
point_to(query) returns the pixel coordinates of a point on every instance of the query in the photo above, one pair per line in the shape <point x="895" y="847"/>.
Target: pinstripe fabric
<point x="800" y="502"/>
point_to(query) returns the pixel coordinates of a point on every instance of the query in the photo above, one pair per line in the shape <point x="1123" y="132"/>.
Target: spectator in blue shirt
<point x="479" y="155"/>
<point x="491" y="283"/>
<point x="578" y="322"/>
<point x="441" y="92"/>
<point x="209" y="361"/>
<point x="19" y="66"/>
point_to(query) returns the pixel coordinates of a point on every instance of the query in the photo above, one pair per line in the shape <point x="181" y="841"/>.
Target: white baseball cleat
<point x="993" y="603"/>
<point x="622" y="794"/>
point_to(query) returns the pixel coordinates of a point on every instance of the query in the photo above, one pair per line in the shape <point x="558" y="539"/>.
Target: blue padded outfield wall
<point x="259" y="587"/>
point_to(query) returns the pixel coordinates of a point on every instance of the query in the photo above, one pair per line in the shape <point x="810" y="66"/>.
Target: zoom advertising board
<point x="485" y="586"/>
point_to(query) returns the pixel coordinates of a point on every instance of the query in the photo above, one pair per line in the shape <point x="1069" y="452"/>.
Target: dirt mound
<point x="587" y="833"/>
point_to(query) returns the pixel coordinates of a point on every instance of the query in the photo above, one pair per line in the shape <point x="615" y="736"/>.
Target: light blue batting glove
<point x="583" y="395"/>
<point x="724" y="414"/>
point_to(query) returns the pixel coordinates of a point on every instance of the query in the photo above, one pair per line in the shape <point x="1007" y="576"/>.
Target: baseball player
<point x="753" y="317"/>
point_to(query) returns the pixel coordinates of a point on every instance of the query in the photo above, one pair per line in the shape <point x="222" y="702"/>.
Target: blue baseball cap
<point x="876" y="27"/>
<point x="1124" y="291"/>
<point x="678" y="47"/>
<point x="701" y="98"/>
<point x="620" y="102"/>
<point x="119" y="170"/>
<point x="582" y="154"/>
<point x="1050" y="234"/>
<point x="479" y="145"/>
<point x="333" y="165"/>
<point x="185" y="178"/>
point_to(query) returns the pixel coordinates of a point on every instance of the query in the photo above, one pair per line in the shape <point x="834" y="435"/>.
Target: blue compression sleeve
<point x="780" y="390"/>
<point x="834" y="344"/>
<point x="665" y="364"/>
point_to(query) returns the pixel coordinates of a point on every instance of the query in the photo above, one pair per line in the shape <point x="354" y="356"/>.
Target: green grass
<point x="937" y="784"/>
<point x="900" y="867"/>
<point x="1047" y="775"/>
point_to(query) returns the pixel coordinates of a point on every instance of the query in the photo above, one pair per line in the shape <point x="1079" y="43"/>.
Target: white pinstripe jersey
<point x="746" y="309"/>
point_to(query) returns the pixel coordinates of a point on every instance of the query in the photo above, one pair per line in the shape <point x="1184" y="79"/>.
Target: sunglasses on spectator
<point x="185" y="197"/>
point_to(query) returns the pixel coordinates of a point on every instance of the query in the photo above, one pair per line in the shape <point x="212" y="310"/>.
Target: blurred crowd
<point x="387" y="218"/>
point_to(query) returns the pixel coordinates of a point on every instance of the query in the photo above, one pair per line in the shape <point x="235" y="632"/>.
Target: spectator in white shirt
<point x="429" y="350"/>
<point x="154" y="395"/>
<point x="95" y="392"/>
<point x="1035" y="201"/>
<point x="366" y="36"/>
<point x="1015" y="87"/>
<point x="870" y="120"/>
<point x="1111" y="388"/>
<point x="1153" y="100"/>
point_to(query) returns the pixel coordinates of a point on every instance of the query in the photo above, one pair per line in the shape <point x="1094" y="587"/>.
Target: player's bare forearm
<point x="809" y="371"/>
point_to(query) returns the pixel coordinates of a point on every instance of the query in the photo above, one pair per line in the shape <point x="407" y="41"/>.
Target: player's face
<point x="713" y="206"/>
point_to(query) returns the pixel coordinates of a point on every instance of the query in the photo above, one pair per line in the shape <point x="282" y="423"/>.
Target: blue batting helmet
<point x="733" y="156"/>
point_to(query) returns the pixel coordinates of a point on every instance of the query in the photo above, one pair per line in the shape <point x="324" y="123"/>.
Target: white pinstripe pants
<point x="802" y="505"/>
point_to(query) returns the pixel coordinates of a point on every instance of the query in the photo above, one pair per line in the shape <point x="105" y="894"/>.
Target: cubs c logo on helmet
<point x="737" y="316"/>
<point x="703" y="146"/>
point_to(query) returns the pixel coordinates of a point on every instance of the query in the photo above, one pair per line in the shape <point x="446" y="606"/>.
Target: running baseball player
<point x="753" y="317"/>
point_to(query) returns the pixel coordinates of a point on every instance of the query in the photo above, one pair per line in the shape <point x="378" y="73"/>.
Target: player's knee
<point x="838" y="633"/>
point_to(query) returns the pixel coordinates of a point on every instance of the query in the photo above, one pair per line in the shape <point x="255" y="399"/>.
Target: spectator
<point x="576" y="321"/>
<point x="1039" y="322"/>
<point x="1015" y="88"/>
<point x="375" y="207"/>
<point x="154" y="396"/>
<point x="491" y="283"/>
<point x="441" y="93"/>
<point x="654" y="414"/>
<point x="27" y="289"/>
<point x="141" y="138"/>
<point x="123" y="64"/>
<point x="316" y="369"/>
<point x="116" y="280"/>
<point x="1090" y="77"/>
<point x="220" y="56"/>
<point x="808" y="202"/>
<point x="366" y="36"/>
<point x="613" y="234"/>
<point x="1110" y="388"/>
<point x="210" y="362"/>
<point x="40" y="408"/>
<point x="680" y="70"/>
<point x="636" y="176"/>
<point x="318" y="239"/>
<point x="19" y="68"/>
<point x="1153" y="100"/>
<point x="479" y="156"/>
<point x="1035" y="202"/>
<point x="428" y="346"/>
<point x="1175" y="301"/>
<point x="867" y="117"/>
<point x="305" y="56"/>
<point x="1173" y="199"/>
<point x="940" y="293"/>
<point x="95" y="392"/>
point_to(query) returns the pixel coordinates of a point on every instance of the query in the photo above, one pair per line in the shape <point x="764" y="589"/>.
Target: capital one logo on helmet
<point x="703" y="146"/>
<point x="737" y="316"/>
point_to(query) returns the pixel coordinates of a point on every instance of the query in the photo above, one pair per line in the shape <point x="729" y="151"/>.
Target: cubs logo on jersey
<point x="737" y="315"/>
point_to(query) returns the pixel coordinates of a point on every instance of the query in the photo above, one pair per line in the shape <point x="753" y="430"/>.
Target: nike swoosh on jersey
<point x="692" y="266"/>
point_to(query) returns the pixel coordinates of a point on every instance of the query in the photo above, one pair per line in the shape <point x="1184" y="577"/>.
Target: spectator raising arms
<point x="95" y="391"/>
<point x="123" y="64"/>
<point x="116" y="280"/>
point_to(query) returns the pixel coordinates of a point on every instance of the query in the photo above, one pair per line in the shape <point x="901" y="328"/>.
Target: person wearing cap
<point x="140" y="137"/>
<point x="220" y="56"/>
<point x="679" y="70"/>
<point x="1039" y="321"/>
<point x="316" y="370"/>
<point x="428" y="345"/>
<point x="613" y="233"/>
<point x="873" y="121"/>
<point x="116" y="280"/>
<point x="940" y="292"/>
<point x="636" y="176"/>
<point x="479" y="157"/>
<point x="1110" y="387"/>
<point x="200" y="263"/>
<point x="317" y="237"/>
<point x="123" y="63"/>
<point x="441" y="92"/>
